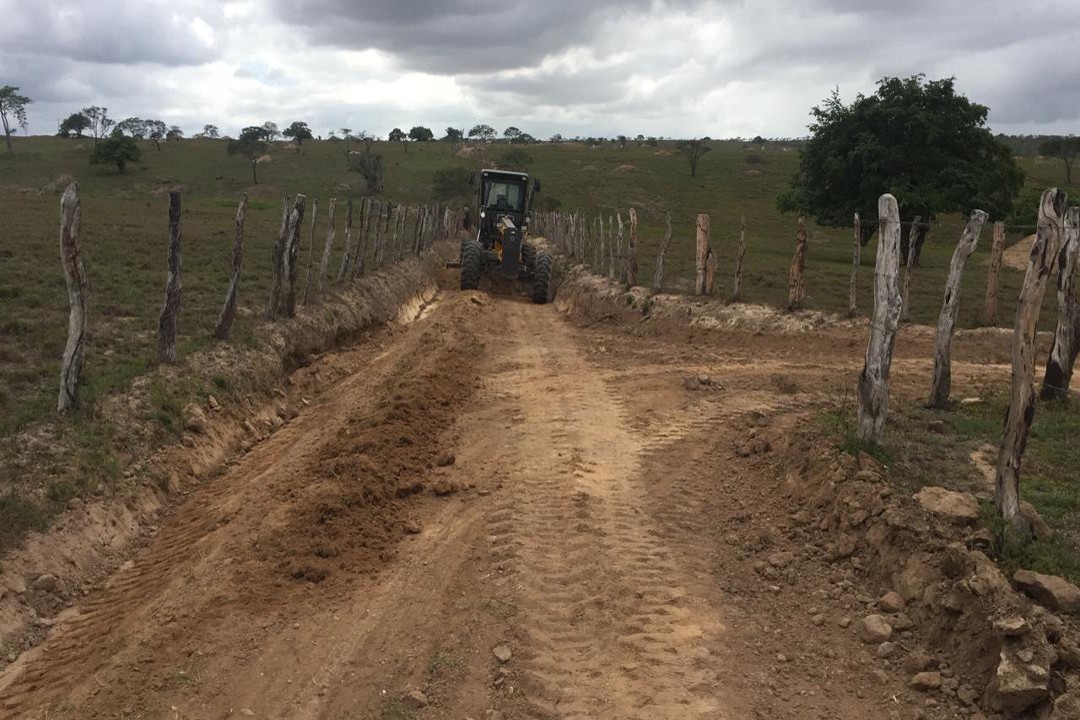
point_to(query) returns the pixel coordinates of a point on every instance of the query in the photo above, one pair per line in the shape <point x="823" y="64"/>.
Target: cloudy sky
<point x="677" y="68"/>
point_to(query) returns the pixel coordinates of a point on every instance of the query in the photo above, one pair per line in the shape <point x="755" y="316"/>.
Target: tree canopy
<point x="482" y="132"/>
<point x="921" y="141"/>
<point x="1065" y="149"/>
<point x="12" y="110"/>
<point x="116" y="149"/>
<point x="211" y="131"/>
<point x="693" y="150"/>
<point x="75" y="123"/>
<point x="420" y="133"/>
<point x="298" y="131"/>
<point x="100" y="122"/>
<point x="251" y="145"/>
<point x="453" y="135"/>
<point x="397" y="135"/>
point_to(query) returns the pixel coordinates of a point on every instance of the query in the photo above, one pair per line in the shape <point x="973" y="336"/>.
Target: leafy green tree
<point x="298" y="131"/>
<point x="482" y="132"/>
<point x="174" y="133"/>
<point x="451" y="184"/>
<point x="370" y="166"/>
<point x="419" y="133"/>
<point x="397" y="135"/>
<point x="76" y="123"/>
<point x="1065" y="149"/>
<point x="100" y="122"/>
<point x="211" y="131"/>
<point x="12" y="110"/>
<point x="133" y="127"/>
<point x="693" y="150"/>
<point x="270" y="131"/>
<point x="157" y="131"/>
<point x="511" y="134"/>
<point x="117" y="149"/>
<point x="251" y="145"/>
<point x="921" y="141"/>
<point x="453" y="135"/>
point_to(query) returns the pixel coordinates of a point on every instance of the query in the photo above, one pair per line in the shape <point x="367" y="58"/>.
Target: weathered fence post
<point x="737" y="295"/>
<point x="1066" y="342"/>
<point x="348" y="241"/>
<point x="228" y="310"/>
<point x="997" y="251"/>
<point x="377" y="250"/>
<point x="328" y="248"/>
<point x="170" y="309"/>
<point x="365" y="230"/>
<point x="278" y="261"/>
<point x="631" y="250"/>
<point x="946" y="325"/>
<point x="905" y="312"/>
<point x="75" y="277"/>
<point x="855" y="257"/>
<point x="311" y="249"/>
<point x="618" y="247"/>
<point x="658" y="274"/>
<point x="796" y="275"/>
<point x="874" y="378"/>
<point x="292" y="252"/>
<point x="601" y="270"/>
<point x="1021" y="410"/>
<point x="702" y="282"/>
<point x="612" y="260"/>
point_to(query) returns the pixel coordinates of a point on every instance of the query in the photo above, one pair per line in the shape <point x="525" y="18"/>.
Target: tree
<point x="251" y="145"/>
<point x="270" y="131"/>
<point x="622" y="140"/>
<point x="370" y="166"/>
<point x="175" y="133"/>
<point x="75" y="123"/>
<point x="693" y="150"/>
<point x="452" y="184"/>
<point x="117" y="149"/>
<point x="100" y="122"/>
<point x="157" y="131"/>
<point x="397" y="135"/>
<point x="419" y="133"/>
<point x="921" y="141"/>
<point x="1064" y="148"/>
<point x="482" y="132"/>
<point x="453" y="135"/>
<point x="556" y="138"/>
<point x="133" y="127"/>
<point x="211" y="131"/>
<point x="12" y="110"/>
<point x="511" y="134"/>
<point x="298" y="131"/>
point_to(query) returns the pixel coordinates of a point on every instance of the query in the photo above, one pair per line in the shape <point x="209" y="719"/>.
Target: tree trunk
<point x="75" y="277"/>
<point x="169" y="318"/>
<point x="855" y="257"/>
<point x="796" y="275"/>
<point x="311" y="249"/>
<point x="939" y="392"/>
<point x="702" y="286"/>
<point x="228" y="310"/>
<point x="905" y="312"/>
<point x="1021" y="410"/>
<point x="328" y="248"/>
<point x="292" y="259"/>
<point x="737" y="295"/>
<point x="631" y="251"/>
<point x="874" y="378"/>
<point x="996" y="253"/>
<point x="658" y="275"/>
<point x="278" y="262"/>
<point x="348" y="242"/>
<point x="1066" y="343"/>
<point x="254" y="173"/>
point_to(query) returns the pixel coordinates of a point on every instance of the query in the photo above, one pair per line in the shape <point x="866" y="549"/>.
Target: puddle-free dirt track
<point x="587" y="552"/>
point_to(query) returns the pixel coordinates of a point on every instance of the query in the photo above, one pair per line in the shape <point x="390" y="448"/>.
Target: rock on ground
<point x="953" y="506"/>
<point x="1052" y="591"/>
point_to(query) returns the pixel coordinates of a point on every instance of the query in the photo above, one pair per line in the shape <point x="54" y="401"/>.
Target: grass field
<point x="124" y="219"/>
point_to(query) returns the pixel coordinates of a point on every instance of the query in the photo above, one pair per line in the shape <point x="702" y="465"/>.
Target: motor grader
<point x="502" y="247"/>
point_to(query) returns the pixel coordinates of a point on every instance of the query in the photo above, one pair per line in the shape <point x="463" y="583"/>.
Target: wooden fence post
<point x="704" y="250"/>
<point x="278" y="261"/>
<point x="737" y="295"/>
<point x="601" y="270"/>
<point x="855" y="258"/>
<point x="328" y="248"/>
<point x="631" y="250"/>
<point x="796" y="275"/>
<point x="1066" y="342"/>
<point x="228" y="310"/>
<point x="939" y="392"/>
<point x="348" y="241"/>
<point x="905" y="312"/>
<point x="365" y="230"/>
<point x="997" y="251"/>
<point x="311" y="249"/>
<point x="618" y="247"/>
<point x="612" y="256"/>
<point x="169" y="318"/>
<point x="658" y="274"/>
<point x="874" y="378"/>
<point x="1021" y="410"/>
<point x="292" y="252"/>
<point x="75" y="278"/>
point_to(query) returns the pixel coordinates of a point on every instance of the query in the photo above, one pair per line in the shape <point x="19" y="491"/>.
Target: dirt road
<point x="493" y="513"/>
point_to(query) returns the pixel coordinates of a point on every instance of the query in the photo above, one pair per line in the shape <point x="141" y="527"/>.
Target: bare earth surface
<point x="499" y="513"/>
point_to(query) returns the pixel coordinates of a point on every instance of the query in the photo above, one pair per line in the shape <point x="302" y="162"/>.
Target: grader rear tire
<point x="471" y="255"/>
<point x="542" y="281"/>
